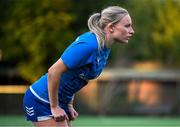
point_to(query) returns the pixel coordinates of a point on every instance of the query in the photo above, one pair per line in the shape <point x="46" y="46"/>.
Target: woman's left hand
<point x="72" y="112"/>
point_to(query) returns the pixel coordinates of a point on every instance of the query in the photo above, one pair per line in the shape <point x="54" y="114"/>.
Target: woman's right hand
<point x="59" y="114"/>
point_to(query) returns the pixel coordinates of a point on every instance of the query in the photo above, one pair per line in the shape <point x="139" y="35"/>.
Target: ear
<point x="110" y="27"/>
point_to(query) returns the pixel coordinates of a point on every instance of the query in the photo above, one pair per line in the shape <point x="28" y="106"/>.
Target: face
<point x="122" y="31"/>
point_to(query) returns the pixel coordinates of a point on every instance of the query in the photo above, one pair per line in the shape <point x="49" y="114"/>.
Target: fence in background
<point x="115" y="92"/>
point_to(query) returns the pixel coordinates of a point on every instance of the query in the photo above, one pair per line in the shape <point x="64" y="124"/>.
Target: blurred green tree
<point x="35" y="34"/>
<point x="166" y="32"/>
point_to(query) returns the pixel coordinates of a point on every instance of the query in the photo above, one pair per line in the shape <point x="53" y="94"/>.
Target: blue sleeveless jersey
<point x="84" y="62"/>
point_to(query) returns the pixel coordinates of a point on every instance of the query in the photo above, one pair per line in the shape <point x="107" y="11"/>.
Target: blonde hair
<point x="98" y="21"/>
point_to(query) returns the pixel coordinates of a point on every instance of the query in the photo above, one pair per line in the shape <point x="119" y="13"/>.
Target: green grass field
<point x="95" y="121"/>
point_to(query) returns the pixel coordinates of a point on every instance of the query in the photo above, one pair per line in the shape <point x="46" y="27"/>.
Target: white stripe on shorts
<point x="35" y="94"/>
<point x="42" y="118"/>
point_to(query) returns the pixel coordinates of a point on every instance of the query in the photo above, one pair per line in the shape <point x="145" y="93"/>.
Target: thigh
<point x="51" y="123"/>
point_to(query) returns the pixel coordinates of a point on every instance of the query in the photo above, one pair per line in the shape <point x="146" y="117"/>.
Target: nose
<point x="132" y="31"/>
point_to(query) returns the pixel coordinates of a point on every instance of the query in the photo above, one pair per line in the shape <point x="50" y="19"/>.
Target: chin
<point x="126" y="41"/>
<point x="122" y="41"/>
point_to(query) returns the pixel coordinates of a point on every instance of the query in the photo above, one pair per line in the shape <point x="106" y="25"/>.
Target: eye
<point x="127" y="25"/>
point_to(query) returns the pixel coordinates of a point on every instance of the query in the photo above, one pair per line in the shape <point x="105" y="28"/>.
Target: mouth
<point x="128" y="37"/>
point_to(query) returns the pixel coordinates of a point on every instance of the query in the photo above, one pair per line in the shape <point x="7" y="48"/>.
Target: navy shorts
<point x="38" y="110"/>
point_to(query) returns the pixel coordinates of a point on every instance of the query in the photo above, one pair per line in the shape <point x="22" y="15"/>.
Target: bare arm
<point x="72" y="111"/>
<point x="54" y="74"/>
<point x="71" y="102"/>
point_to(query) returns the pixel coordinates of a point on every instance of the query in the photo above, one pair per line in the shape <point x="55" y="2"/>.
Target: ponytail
<point x="94" y="26"/>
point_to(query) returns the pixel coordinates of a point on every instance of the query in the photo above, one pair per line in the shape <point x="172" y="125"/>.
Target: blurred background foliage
<point x="34" y="33"/>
